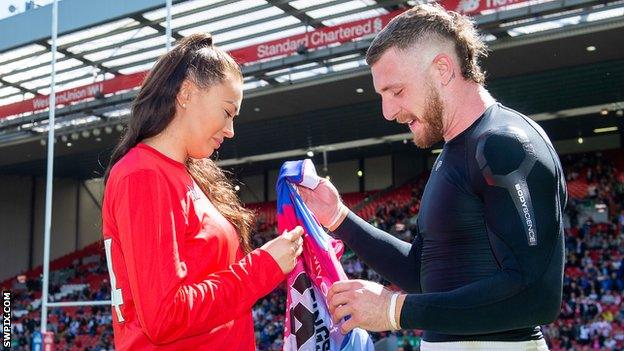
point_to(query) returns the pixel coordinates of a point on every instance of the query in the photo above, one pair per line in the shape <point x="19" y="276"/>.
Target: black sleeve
<point x="519" y="183"/>
<point x="395" y="260"/>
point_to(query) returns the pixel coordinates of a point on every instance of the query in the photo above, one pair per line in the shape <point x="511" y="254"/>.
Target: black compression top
<point x="487" y="261"/>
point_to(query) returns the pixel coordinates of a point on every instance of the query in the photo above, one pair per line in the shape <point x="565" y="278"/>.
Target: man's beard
<point x="431" y="126"/>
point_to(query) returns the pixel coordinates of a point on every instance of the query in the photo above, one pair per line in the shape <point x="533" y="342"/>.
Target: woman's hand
<point x="286" y="248"/>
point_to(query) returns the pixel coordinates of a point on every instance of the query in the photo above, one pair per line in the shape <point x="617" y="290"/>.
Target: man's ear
<point x="443" y="68"/>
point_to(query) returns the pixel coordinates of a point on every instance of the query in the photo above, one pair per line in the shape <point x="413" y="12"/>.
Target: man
<point x="486" y="268"/>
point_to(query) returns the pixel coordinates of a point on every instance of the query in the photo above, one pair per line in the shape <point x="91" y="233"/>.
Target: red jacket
<point x="180" y="280"/>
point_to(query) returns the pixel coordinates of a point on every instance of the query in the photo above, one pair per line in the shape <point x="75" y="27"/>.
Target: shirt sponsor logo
<point x="527" y="215"/>
<point x="310" y="323"/>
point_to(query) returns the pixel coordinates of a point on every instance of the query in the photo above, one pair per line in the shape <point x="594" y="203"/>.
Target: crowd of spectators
<point x="592" y="314"/>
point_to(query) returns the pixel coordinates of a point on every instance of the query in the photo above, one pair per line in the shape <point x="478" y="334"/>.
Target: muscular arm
<point x="520" y="186"/>
<point x="394" y="259"/>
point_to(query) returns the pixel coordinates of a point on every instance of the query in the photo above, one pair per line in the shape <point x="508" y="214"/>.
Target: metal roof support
<point x="300" y="15"/>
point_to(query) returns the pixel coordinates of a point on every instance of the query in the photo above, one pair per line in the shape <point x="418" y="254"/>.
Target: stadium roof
<point x="128" y="42"/>
<point x="132" y="44"/>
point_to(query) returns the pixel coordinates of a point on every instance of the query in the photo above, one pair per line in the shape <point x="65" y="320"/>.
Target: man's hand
<point x="325" y="203"/>
<point x="365" y="302"/>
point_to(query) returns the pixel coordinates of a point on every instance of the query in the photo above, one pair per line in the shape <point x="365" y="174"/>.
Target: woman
<point x="183" y="273"/>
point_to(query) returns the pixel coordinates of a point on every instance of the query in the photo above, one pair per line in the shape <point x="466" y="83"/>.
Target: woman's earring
<point x="183" y="105"/>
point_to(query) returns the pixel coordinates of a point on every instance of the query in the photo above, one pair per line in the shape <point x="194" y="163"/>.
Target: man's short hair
<point x="428" y="21"/>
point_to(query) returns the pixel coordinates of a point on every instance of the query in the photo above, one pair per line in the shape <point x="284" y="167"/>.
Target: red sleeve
<point x="151" y="227"/>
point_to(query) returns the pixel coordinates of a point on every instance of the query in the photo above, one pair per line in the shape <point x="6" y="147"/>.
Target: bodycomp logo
<point x="527" y="215"/>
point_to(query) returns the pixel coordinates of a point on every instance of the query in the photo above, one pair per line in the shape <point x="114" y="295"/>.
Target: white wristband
<point x="392" y="310"/>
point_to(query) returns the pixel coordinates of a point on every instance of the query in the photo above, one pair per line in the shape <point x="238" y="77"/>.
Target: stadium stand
<point x="592" y="314"/>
